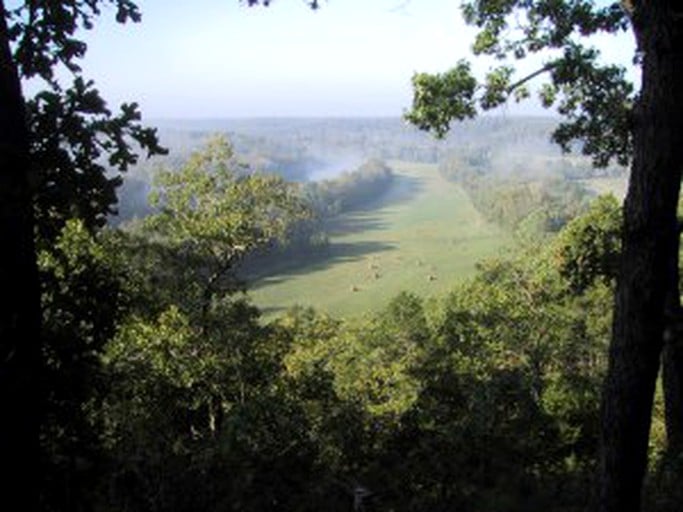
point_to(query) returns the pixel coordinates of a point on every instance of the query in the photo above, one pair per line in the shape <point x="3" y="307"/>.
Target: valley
<point x="423" y="234"/>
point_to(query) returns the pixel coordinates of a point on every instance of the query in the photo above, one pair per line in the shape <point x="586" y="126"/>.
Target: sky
<point x="221" y="59"/>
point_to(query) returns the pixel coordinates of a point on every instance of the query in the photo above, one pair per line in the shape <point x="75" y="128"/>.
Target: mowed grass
<point x="422" y="235"/>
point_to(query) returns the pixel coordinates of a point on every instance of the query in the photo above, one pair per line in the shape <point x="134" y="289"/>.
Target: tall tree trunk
<point x="672" y="366"/>
<point x="20" y="358"/>
<point x="673" y="393"/>
<point x="649" y="259"/>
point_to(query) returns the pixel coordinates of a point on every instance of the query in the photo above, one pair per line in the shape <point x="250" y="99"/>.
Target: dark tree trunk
<point x="672" y="366"/>
<point x="20" y="402"/>
<point x="649" y="258"/>
<point x="673" y="394"/>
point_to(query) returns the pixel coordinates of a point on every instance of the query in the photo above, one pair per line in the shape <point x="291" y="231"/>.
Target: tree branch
<point x="531" y="76"/>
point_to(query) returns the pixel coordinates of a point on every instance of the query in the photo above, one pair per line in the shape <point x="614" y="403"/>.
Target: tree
<point x="193" y="371"/>
<point x="588" y="248"/>
<point x="212" y="214"/>
<point x="83" y="301"/>
<point x="644" y="129"/>
<point x="49" y="150"/>
<point x="20" y="317"/>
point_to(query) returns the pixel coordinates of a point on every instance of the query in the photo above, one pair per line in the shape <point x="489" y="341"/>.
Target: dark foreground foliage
<point x="176" y="396"/>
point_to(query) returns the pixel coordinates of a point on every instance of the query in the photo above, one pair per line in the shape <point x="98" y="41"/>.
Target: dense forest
<point x="483" y="399"/>
<point x="136" y="374"/>
<point x="178" y="396"/>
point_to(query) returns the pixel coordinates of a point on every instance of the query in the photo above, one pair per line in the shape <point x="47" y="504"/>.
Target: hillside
<point x="422" y="235"/>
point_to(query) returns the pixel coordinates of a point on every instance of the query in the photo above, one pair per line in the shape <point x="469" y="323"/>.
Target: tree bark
<point x="672" y="360"/>
<point x="649" y="259"/>
<point x="20" y="358"/>
<point x="672" y="366"/>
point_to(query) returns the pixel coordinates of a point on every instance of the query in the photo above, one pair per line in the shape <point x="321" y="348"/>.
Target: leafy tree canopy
<point x="601" y="111"/>
<point x="74" y="136"/>
<point x="588" y="249"/>
<point x="594" y="98"/>
<point x="211" y="214"/>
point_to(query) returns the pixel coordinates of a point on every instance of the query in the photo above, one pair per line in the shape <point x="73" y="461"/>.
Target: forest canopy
<point x="136" y="374"/>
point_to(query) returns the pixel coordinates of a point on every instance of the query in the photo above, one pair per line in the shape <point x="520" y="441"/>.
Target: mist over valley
<point x="380" y="189"/>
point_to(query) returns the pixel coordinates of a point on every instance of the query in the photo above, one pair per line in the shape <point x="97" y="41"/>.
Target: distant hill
<point x="302" y="149"/>
<point x="329" y="139"/>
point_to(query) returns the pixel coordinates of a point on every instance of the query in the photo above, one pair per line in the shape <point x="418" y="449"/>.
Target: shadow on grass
<point x="403" y="188"/>
<point x="354" y="223"/>
<point x="335" y="253"/>
<point x="359" y="220"/>
<point x="362" y="218"/>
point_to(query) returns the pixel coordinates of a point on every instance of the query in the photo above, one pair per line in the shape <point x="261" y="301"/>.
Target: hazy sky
<point x="217" y="58"/>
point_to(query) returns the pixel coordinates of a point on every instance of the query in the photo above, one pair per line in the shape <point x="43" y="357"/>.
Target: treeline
<point x="308" y="236"/>
<point x="543" y="206"/>
<point x="165" y="390"/>
<point x="529" y="202"/>
<point x="350" y="190"/>
<point x="298" y="148"/>
<point x="252" y="154"/>
<point x="324" y="200"/>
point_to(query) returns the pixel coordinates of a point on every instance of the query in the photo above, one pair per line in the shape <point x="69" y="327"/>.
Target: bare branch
<point x="531" y="76"/>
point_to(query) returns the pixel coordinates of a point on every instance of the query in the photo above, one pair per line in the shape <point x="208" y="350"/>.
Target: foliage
<point x="75" y="139"/>
<point x="324" y="202"/>
<point x="57" y="193"/>
<point x="72" y="132"/>
<point x="194" y="418"/>
<point x="351" y="190"/>
<point x="210" y="216"/>
<point x="602" y="113"/>
<point x="191" y="368"/>
<point x="527" y="204"/>
<point x="371" y="362"/>
<point x="502" y="378"/>
<point x="589" y="247"/>
<point x="595" y="99"/>
<point x="484" y="399"/>
<point x="166" y="391"/>
<point x="83" y="300"/>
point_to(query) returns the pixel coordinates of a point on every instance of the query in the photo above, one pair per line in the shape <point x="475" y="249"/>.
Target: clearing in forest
<point x="422" y="235"/>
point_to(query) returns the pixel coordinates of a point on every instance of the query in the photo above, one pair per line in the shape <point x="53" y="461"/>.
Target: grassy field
<point x="422" y="235"/>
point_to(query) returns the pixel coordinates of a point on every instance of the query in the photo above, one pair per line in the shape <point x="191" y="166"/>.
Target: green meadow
<point x="422" y="235"/>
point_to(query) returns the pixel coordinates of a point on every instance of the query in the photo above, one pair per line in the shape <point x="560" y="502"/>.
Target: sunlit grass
<point x="423" y="235"/>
